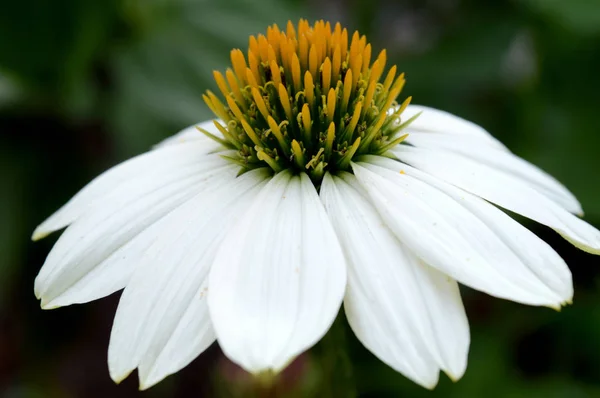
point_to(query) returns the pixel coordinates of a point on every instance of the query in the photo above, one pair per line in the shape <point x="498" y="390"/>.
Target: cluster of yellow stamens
<point x="307" y="99"/>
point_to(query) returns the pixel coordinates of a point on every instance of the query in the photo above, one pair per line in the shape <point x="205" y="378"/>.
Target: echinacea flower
<point x="313" y="188"/>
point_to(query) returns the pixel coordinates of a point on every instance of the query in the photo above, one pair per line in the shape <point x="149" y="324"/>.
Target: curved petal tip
<point x="39" y="234"/>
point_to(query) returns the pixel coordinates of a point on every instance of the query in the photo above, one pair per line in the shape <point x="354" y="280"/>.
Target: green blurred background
<point x="86" y="84"/>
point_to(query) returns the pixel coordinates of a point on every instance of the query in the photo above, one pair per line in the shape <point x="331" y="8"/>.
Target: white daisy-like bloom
<point x="313" y="189"/>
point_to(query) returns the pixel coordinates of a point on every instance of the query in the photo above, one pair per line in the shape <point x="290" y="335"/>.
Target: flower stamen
<point x="307" y="99"/>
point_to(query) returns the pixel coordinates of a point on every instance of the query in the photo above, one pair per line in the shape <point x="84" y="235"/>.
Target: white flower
<point x="262" y="262"/>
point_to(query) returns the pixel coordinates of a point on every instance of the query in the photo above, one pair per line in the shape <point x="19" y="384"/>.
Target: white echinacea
<point x="314" y="188"/>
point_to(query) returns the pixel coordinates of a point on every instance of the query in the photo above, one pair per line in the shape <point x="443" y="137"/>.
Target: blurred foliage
<point x="49" y="48"/>
<point x="11" y="215"/>
<point x="579" y="16"/>
<point x="160" y="78"/>
<point x="84" y="84"/>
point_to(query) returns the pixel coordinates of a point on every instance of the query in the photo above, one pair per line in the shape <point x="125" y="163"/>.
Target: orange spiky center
<point x="307" y="99"/>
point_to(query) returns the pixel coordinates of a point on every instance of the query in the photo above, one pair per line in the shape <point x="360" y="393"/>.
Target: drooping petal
<point x="536" y="254"/>
<point x="90" y="244"/>
<point x="510" y="193"/>
<point x="162" y="322"/>
<point x="191" y="133"/>
<point x="106" y="277"/>
<point x="408" y="314"/>
<point x="154" y="167"/>
<point x="450" y="238"/>
<point x="504" y="162"/>
<point x="447" y="313"/>
<point x="436" y="121"/>
<point x="279" y="278"/>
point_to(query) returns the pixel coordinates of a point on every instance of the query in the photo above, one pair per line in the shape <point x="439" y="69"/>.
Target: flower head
<point x="314" y="194"/>
<point x="309" y="101"/>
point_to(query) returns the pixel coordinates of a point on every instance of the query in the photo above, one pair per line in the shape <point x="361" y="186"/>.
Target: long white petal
<point x="536" y="254"/>
<point x="408" y="314"/>
<point x="279" y="278"/>
<point x="148" y="168"/>
<point x="450" y="238"/>
<point x="436" y="121"/>
<point x="109" y="275"/>
<point x="191" y="133"/>
<point x="162" y="322"/>
<point x="503" y="161"/>
<point x="93" y="239"/>
<point x="497" y="187"/>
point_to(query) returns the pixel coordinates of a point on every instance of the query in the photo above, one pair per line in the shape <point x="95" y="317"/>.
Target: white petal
<point x="436" y="121"/>
<point x="162" y="321"/>
<point x="279" y="278"/>
<point x="502" y="190"/>
<point x="191" y="133"/>
<point x="109" y="227"/>
<point x="503" y="161"/>
<point x="447" y="313"/>
<point x="149" y="167"/>
<point x="541" y="259"/>
<point x="450" y="238"/>
<point x="408" y="314"/>
<point x="109" y="275"/>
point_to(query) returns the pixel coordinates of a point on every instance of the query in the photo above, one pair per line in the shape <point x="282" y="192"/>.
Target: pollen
<point x="307" y="98"/>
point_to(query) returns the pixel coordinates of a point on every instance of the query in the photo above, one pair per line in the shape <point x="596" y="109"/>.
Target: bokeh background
<point x="86" y="84"/>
